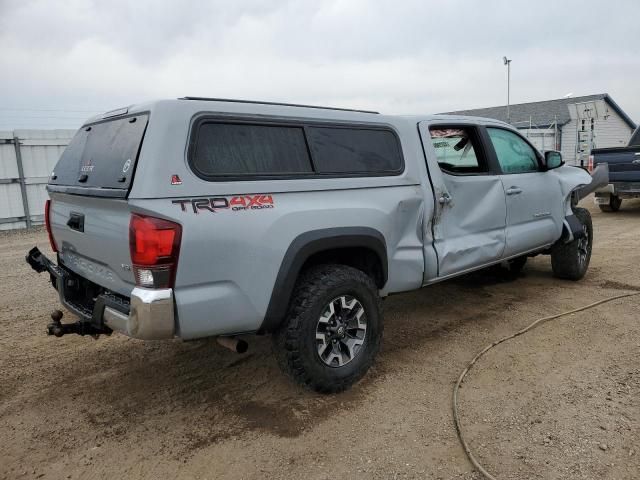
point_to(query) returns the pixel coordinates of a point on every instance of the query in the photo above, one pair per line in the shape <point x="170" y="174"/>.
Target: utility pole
<point x="507" y="63"/>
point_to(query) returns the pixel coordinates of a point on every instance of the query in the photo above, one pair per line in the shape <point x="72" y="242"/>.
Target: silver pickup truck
<point x="195" y="218"/>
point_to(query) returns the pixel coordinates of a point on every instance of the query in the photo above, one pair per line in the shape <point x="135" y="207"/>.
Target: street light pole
<point x="507" y="62"/>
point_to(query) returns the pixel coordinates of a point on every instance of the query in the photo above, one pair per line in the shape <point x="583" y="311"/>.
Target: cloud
<point x="397" y="57"/>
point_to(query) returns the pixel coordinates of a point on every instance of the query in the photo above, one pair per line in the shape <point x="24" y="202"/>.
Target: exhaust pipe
<point x="234" y="344"/>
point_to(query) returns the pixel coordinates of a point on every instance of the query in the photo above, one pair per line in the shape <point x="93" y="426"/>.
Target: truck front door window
<point x="514" y="154"/>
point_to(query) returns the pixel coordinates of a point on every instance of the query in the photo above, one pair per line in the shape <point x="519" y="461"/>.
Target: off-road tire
<point x="613" y="205"/>
<point x="295" y="344"/>
<point x="570" y="261"/>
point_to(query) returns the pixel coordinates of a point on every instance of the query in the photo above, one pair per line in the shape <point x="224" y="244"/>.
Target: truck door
<point x="468" y="227"/>
<point x="534" y="198"/>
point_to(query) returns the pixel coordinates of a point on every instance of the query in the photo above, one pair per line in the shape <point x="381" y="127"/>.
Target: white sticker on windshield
<point x="126" y="165"/>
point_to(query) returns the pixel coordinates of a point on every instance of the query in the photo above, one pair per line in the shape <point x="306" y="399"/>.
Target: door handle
<point x="514" y="191"/>
<point x="444" y="199"/>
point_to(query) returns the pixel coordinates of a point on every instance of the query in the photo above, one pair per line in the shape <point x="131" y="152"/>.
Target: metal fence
<point x="27" y="158"/>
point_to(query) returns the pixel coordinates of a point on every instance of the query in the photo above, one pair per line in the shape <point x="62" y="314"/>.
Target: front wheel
<point x="571" y="260"/>
<point x="333" y="329"/>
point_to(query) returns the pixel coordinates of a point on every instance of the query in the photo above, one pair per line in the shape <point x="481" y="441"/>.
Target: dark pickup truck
<point x="624" y="173"/>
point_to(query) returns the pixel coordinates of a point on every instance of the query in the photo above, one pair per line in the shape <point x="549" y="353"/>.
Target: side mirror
<point x="552" y="159"/>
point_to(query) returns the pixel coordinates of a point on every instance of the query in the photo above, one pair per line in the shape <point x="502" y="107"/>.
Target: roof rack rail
<point x="232" y="100"/>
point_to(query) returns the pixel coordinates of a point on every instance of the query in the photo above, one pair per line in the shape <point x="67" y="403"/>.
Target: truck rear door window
<point x="455" y="151"/>
<point x="223" y="149"/>
<point x="102" y="155"/>
<point x="354" y="150"/>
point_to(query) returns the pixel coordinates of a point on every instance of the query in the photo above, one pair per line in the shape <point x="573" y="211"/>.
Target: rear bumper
<point x="148" y="314"/>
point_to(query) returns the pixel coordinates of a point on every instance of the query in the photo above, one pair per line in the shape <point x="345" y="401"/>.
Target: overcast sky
<point x="62" y="61"/>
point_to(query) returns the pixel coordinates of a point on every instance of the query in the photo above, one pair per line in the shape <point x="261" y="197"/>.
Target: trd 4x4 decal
<point x="236" y="203"/>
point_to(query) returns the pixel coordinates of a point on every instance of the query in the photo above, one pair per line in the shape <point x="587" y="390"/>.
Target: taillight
<point x="154" y="244"/>
<point x="47" y="224"/>
<point x="590" y="164"/>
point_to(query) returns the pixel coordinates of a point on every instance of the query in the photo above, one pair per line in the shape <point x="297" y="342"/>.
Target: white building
<point x="572" y="125"/>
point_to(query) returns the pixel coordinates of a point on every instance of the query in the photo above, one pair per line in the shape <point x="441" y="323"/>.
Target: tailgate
<point x="624" y="163"/>
<point x="92" y="236"/>
<point x="89" y="214"/>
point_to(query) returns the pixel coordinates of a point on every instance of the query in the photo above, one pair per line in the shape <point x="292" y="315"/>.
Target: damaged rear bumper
<point x="148" y="314"/>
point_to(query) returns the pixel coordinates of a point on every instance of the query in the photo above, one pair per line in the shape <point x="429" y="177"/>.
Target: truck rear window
<point x="102" y="155"/>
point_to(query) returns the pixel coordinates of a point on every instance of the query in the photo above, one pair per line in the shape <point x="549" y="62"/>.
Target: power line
<point x="67" y="117"/>
<point x="45" y="122"/>
<point x="51" y="110"/>
<point x="43" y="119"/>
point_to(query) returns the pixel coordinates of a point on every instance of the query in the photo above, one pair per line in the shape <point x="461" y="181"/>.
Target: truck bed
<point x="624" y="163"/>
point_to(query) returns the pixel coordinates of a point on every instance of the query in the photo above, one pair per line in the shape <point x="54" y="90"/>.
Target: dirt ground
<point x="560" y="402"/>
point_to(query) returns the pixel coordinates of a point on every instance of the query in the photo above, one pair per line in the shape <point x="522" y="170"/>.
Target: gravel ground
<point x="560" y="402"/>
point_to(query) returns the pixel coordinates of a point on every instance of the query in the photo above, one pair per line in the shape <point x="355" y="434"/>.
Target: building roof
<point x="543" y="113"/>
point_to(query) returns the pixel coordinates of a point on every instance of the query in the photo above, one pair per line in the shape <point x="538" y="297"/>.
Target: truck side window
<point x="240" y="149"/>
<point x="221" y="150"/>
<point x="514" y="154"/>
<point x="455" y="151"/>
<point x="354" y="150"/>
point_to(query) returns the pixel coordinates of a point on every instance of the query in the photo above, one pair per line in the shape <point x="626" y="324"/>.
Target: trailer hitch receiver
<point x="58" y="329"/>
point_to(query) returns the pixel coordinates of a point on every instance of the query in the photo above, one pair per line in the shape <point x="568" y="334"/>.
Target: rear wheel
<point x="571" y="260"/>
<point x="613" y="205"/>
<point x="333" y="329"/>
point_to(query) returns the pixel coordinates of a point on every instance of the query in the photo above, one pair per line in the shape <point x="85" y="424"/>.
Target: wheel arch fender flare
<point x="308" y="244"/>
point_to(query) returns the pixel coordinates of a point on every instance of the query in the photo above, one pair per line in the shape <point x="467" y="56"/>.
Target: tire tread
<point x="563" y="255"/>
<point x="309" y="290"/>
